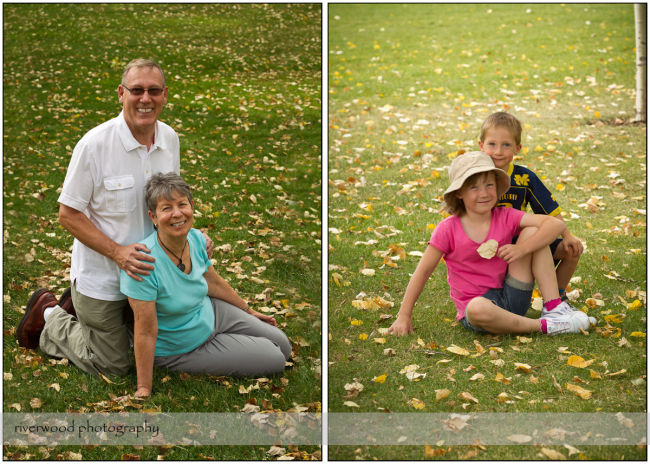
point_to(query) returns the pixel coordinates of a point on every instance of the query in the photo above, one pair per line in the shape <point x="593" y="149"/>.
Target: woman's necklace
<point x="180" y="266"/>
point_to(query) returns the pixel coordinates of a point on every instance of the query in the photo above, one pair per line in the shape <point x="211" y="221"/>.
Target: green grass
<point x="409" y="85"/>
<point x="245" y="99"/>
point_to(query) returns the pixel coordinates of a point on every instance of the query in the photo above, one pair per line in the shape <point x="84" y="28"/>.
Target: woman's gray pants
<point x="240" y="345"/>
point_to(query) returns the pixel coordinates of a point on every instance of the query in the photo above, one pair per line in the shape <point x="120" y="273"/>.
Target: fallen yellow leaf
<point x="577" y="361"/>
<point x="416" y="403"/>
<point x="636" y="304"/>
<point x="552" y="454"/>
<point x="381" y="341"/>
<point x="442" y="393"/>
<point x="479" y="347"/>
<point x="35" y="403"/>
<point x="638" y="334"/>
<point x="457" y="350"/>
<point x="615" y="318"/>
<point x="380" y="378"/>
<point x="520" y="438"/>
<point x="581" y="392"/>
<point x="522" y="367"/>
<point x="467" y="397"/>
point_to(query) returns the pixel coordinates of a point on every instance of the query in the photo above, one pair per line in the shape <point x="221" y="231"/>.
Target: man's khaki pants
<point x="97" y="341"/>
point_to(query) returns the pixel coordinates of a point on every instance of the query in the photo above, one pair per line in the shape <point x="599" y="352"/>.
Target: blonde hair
<point x="455" y="205"/>
<point x="502" y="119"/>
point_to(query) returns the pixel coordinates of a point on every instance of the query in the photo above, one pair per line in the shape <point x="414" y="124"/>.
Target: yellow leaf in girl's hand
<point x="488" y="249"/>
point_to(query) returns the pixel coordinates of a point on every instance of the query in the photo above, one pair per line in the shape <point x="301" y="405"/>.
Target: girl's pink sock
<point x="543" y="324"/>
<point x="550" y="305"/>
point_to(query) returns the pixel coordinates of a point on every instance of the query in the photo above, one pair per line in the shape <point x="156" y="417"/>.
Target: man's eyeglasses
<point x="139" y="91"/>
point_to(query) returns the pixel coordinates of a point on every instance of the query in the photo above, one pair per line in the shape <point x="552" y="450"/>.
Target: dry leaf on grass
<point x="522" y="367"/>
<point x="552" y="454"/>
<point x="520" y="438"/>
<point x="416" y="403"/>
<point x="456" y="422"/>
<point x="581" y="392"/>
<point x="457" y="350"/>
<point x="442" y="393"/>
<point x="276" y="451"/>
<point x="467" y="397"/>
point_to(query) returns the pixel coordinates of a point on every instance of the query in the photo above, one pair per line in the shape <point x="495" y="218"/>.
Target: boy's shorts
<point x="514" y="297"/>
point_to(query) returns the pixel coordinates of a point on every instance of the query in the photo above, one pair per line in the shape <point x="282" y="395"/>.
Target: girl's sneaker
<point x="566" y="323"/>
<point x="563" y="308"/>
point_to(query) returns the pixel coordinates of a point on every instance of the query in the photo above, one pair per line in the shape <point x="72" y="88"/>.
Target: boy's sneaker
<point x="566" y="323"/>
<point x="563" y="308"/>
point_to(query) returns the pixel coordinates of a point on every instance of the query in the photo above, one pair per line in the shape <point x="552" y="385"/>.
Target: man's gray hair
<point x="162" y="186"/>
<point x="142" y="63"/>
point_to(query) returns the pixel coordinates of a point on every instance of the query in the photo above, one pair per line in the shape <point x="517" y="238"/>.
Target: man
<point x="102" y="205"/>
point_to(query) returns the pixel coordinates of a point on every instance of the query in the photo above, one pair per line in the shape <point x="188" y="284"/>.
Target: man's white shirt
<point x="105" y="180"/>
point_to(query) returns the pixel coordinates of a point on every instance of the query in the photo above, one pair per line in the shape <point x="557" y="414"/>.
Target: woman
<point x="187" y="318"/>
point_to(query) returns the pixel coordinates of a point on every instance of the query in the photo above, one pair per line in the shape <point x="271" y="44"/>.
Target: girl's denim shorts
<point x="514" y="297"/>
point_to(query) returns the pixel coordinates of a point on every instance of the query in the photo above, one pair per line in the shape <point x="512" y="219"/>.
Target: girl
<point x="492" y="291"/>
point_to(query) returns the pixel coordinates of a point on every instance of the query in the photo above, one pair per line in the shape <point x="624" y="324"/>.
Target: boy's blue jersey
<point x="526" y="189"/>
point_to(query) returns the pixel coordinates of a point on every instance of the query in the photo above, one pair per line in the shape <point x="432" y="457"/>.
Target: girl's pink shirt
<point x="468" y="274"/>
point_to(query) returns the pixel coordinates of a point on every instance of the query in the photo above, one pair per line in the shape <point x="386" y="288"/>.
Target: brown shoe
<point x="31" y="325"/>
<point x="66" y="302"/>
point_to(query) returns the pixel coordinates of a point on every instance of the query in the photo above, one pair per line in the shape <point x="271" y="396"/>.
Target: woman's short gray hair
<point x="161" y="186"/>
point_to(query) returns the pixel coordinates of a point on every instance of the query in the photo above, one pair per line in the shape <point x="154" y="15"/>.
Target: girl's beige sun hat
<point x="468" y="164"/>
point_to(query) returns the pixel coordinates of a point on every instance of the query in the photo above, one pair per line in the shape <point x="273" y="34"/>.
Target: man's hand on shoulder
<point x="130" y="259"/>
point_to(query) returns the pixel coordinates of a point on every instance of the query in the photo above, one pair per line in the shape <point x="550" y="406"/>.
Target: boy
<point x="500" y="138"/>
